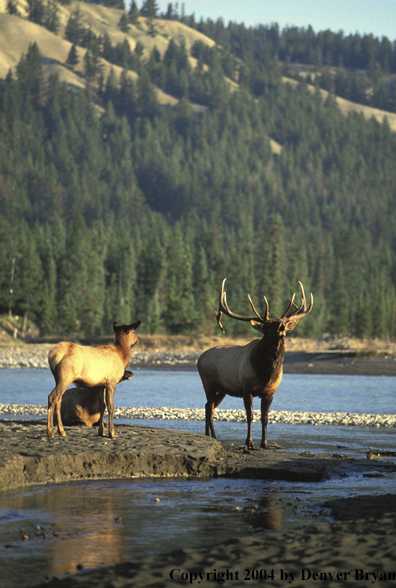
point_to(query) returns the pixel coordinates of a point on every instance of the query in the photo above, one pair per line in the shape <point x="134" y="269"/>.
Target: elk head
<point x="127" y="332"/>
<point x="285" y="324"/>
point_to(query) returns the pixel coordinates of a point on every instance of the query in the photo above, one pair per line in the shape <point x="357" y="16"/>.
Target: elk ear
<point x="258" y="326"/>
<point x="134" y="326"/>
<point x="291" y="325"/>
<point x="115" y="326"/>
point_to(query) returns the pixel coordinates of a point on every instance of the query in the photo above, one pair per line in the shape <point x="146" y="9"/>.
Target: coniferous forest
<point x="115" y="207"/>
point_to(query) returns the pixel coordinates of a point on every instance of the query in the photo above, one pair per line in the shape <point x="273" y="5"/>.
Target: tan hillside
<point x="16" y="33"/>
<point x="346" y="106"/>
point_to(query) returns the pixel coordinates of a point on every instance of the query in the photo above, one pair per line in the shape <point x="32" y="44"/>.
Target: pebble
<point x="232" y="416"/>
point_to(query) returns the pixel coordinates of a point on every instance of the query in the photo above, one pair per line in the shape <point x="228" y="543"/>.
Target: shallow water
<point x="101" y="523"/>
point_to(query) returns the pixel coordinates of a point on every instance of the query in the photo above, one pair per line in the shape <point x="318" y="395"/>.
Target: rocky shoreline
<point x="230" y="415"/>
<point x="310" y="361"/>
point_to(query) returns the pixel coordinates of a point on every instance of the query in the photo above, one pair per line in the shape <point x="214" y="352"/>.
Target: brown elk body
<point x="84" y="406"/>
<point x="253" y="370"/>
<point x="89" y="367"/>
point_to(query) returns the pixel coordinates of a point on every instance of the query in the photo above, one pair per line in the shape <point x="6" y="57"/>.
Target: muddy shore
<point x="28" y="457"/>
<point x="359" y="535"/>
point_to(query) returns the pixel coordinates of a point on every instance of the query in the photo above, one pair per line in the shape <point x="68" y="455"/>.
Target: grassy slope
<point x="17" y="33"/>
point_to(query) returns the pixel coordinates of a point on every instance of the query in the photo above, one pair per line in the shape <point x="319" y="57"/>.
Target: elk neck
<point x="123" y="346"/>
<point x="268" y="355"/>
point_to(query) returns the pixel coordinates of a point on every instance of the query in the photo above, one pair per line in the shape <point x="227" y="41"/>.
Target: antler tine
<point x="261" y="319"/>
<point x="303" y="296"/>
<point x="224" y="309"/>
<point x="218" y="318"/>
<point x="303" y="305"/>
<point x="301" y="310"/>
<point x="289" y="307"/>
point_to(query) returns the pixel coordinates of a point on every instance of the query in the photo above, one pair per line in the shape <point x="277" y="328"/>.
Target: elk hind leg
<point x="110" y="389"/>
<point x="102" y="408"/>
<point x="213" y="401"/>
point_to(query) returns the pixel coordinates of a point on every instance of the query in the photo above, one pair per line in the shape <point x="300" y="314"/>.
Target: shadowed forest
<point x="114" y="206"/>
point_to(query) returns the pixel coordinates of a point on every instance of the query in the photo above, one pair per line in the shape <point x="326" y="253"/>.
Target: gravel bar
<point x="231" y="416"/>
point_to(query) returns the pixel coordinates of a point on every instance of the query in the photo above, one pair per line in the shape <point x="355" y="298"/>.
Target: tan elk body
<point x="253" y="370"/>
<point x="89" y="367"/>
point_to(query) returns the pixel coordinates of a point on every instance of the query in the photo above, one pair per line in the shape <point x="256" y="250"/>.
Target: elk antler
<point x="300" y="311"/>
<point x="224" y="309"/>
<point x="296" y="314"/>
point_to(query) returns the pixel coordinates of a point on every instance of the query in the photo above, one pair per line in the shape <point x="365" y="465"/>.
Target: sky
<point x="362" y="16"/>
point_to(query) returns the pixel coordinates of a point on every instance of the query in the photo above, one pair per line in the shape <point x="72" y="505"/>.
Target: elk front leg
<point x="265" y="404"/>
<point x="110" y="389"/>
<point x="209" y="428"/>
<point x="54" y="403"/>
<point x="102" y="408"/>
<point x="248" y="401"/>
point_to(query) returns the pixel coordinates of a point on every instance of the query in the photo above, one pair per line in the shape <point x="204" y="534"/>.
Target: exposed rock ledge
<point x="28" y="456"/>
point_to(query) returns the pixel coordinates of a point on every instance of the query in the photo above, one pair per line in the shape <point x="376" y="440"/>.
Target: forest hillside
<point x="144" y="159"/>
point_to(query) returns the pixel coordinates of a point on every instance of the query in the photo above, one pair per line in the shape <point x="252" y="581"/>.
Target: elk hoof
<point x="112" y="435"/>
<point x="265" y="446"/>
<point x="62" y="433"/>
<point x="50" y="434"/>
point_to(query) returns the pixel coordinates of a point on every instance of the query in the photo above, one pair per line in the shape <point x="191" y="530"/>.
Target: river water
<point x="56" y="530"/>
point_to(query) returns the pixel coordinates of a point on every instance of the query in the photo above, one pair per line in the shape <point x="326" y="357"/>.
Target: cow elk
<point x="252" y="370"/>
<point x="89" y="367"/>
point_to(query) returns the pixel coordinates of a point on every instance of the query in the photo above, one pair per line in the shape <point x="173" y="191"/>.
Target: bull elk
<point x="252" y="370"/>
<point x="89" y="367"/>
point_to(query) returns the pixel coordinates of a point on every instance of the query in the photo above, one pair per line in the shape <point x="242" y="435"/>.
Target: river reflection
<point x="93" y="524"/>
<point x="48" y="531"/>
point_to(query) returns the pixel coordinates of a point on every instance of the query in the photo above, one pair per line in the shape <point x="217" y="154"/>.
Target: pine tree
<point x="51" y="19"/>
<point x="75" y="30"/>
<point x="12" y="8"/>
<point x="36" y="11"/>
<point x="149" y="9"/>
<point x="73" y="58"/>
<point x="123" y="23"/>
<point x="134" y="13"/>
